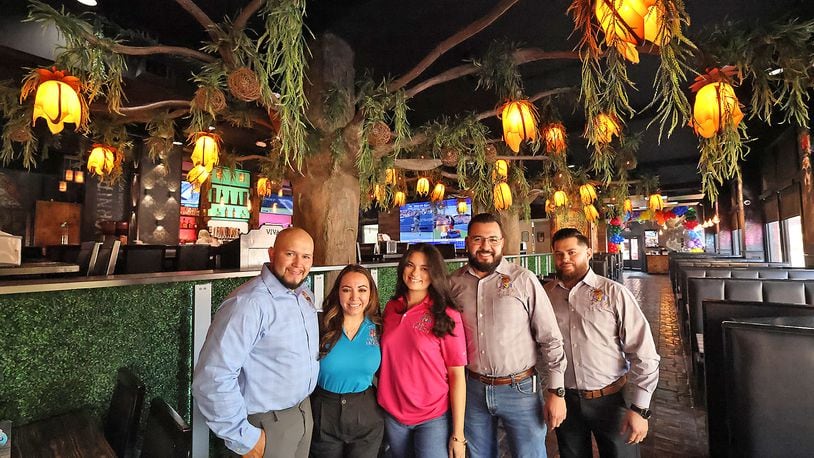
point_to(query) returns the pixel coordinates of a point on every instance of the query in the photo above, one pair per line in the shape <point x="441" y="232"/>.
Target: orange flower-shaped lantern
<point x="264" y="187"/>
<point x="501" y="170"/>
<point x="502" y="196"/>
<point x="438" y="193"/>
<point x="605" y="127"/>
<point x="58" y="99"/>
<point x="399" y="198"/>
<point x="103" y="159"/>
<point x="554" y="135"/>
<point x="716" y="104"/>
<point x="519" y="123"/>
<point x="462" y="208"/>
<point x="629" y="23"/>
<point x="422" y="186"/>
<point x="207" y="150"/>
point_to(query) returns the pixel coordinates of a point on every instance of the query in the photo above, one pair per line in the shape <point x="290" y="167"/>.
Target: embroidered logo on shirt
<point x="424" y="324"/>
<point x="599" y="300"/>
<point x="372" y="338"/>
<point x="505" y="286"/>
<point x="307" y="297"/>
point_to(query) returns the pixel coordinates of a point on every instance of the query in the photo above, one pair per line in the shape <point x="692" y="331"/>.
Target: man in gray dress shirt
<point x="507" y="319"/>
<point x="608" y="344"/>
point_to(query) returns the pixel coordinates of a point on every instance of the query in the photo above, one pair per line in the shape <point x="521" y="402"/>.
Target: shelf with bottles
<point x="224" y="233"/>
<point x="233" y="212"/>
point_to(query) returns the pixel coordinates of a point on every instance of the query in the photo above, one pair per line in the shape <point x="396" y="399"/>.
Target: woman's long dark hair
<point x="438" y="291"/>
<point x="332" y="315"/>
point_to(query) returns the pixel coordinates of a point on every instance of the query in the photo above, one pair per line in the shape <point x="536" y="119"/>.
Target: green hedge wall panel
<point x="61" y="349"/>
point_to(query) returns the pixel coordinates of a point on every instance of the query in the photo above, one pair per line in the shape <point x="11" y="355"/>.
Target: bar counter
<point x="62" y="340"/>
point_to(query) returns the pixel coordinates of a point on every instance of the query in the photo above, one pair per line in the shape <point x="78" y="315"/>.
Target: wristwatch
<point x="560" y="392"/>
<point x="645" y="413"/>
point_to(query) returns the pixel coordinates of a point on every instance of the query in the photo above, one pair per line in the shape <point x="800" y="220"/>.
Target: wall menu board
<point x="229" y="194"/>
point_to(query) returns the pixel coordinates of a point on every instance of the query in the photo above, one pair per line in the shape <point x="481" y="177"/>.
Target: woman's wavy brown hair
<point x="332" y="316"/>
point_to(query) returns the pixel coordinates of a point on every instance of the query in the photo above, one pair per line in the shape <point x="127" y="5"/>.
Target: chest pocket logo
<point x="599" y="300"/>
<point x="424" y="324"/>
<point x="505" y="287"/>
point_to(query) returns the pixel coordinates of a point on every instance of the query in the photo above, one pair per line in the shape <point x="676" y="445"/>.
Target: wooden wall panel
<point x="48" y="219"/>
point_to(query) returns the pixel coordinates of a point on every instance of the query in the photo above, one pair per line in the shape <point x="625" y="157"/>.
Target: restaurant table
<point x="69" y="435"/>
<point x="39" y="268"/>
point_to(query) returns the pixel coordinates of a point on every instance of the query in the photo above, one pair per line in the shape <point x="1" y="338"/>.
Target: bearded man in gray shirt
<point x="508" y="321"/>
<point x="608" y="344"/>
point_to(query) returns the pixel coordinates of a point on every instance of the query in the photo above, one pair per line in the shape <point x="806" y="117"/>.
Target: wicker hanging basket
<point x="207" y="98"/>
<point x="21" y="135"/>
<point x="491" y="153"/>
<point x="449" y="157"/>
<point x="244" y="85"/>
<point x="379" y="134"/>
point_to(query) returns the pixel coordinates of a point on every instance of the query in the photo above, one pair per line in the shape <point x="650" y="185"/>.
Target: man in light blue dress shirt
<point x="259" y="362"/>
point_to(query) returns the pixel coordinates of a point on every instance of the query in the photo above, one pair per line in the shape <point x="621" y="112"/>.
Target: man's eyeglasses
<point x="493" y="241"/>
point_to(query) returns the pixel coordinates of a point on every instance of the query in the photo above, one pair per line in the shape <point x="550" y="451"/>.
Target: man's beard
<point x="576" y="274"/>
<point x="485" y="267"/>
<point x="288" y="284"/>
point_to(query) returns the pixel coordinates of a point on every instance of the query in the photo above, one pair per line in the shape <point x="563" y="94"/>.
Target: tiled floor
<point x="677" y="429"/>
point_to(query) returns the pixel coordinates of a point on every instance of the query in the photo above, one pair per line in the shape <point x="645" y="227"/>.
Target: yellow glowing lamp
<point x="605" y="127"/>
<point x="102" y="160"/>
<point x="501" y="170"/>
<point x="554" y="135"/>
<point x="628" y="23"/>
<point x="560" y="199"/>
<point x="549" y="206"/>
<point x="422" y="187"/>
<point x="390" y="177"/>
<point x="462" y="208"/>
<point x="57" y="103"/>
<point x="519" y="123"/>
<point x="502" y="196"/>
<point x="438" y="193"/>
<point x="399" y="199"/>
<point x="587" y="193"/>
<point x="263" y="187"/>
<point x="591" y="215"/>
<point x="627" y="206"/>
<point x="715" y="106"/>
<point x="655" y="202"/>
<point x="378" y="192"/>
<point x="207" y="150"/>
<point x="198" y="176"/>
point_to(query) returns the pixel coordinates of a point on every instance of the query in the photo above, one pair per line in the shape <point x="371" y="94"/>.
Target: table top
<point x="69" y="435"/>
<point x="38" y="268"/>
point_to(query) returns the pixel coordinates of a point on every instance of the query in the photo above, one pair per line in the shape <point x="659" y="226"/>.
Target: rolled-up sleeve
<point x="546" y="332"/>
<point x="639" y="349"/>
<point x="232" y="335"/>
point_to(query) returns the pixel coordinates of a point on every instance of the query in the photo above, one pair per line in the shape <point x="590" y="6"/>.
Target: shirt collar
<point x="425" y="303"/>
<point x="273" y="284"/>
<point x="502" y="268"/>
<point x="589" y="279"/>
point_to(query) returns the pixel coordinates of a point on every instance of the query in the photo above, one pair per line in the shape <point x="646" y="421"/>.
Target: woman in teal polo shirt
<point x="348" y="421"/>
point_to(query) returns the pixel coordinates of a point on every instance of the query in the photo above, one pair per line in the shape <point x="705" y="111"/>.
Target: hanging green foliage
<point x="285" y="63"/>
<point x="98" y="67"/>
<point x="497" y="71"/>
<point x="720" y="156"/>
<point x="161" y="131"/>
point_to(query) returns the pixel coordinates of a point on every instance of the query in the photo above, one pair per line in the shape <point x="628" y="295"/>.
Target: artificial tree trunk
<point x="326" y="191"/>
<point x="510" y="220"/>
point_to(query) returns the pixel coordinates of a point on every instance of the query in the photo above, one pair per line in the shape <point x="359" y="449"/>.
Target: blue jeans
<point x="519" y="406"/>
<point x="424" y="440"/>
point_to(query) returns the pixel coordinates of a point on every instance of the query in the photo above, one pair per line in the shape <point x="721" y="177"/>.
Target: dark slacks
<point x="288" y="431"/>
<point x="601" y="416"/>
<point x="346" y="425"/>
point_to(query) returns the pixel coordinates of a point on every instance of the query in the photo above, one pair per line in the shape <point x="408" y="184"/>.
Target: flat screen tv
<point x="189" y="196"/>
<point x="279" y="205"/>
<point x="434" y="222"/>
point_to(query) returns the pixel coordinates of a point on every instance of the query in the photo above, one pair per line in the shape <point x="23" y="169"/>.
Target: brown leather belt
<point x="613" y="388"/>
<point x="507" y="380"/>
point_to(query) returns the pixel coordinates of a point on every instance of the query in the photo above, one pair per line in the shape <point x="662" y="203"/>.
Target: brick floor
<point x="677" y="429"/>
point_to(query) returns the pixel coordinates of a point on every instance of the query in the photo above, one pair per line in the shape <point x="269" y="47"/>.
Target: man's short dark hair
<point x="484" y="218"/>
<point x="567" y="233"/>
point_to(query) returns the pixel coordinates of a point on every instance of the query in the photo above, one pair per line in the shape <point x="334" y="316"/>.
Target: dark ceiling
<point x="389" y="37"/>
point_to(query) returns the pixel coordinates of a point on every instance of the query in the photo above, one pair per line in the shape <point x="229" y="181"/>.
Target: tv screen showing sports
<point x="189" y="196"/>
<point x="279" y="205"/>
<point x="434" y="222"/>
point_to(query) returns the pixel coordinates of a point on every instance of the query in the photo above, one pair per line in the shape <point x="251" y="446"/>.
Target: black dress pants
<point x="601" y="416"/>
<point x="346" y="425"/>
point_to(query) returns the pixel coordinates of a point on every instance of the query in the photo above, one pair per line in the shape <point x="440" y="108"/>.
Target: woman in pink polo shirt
<point x="421" y="383"/>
